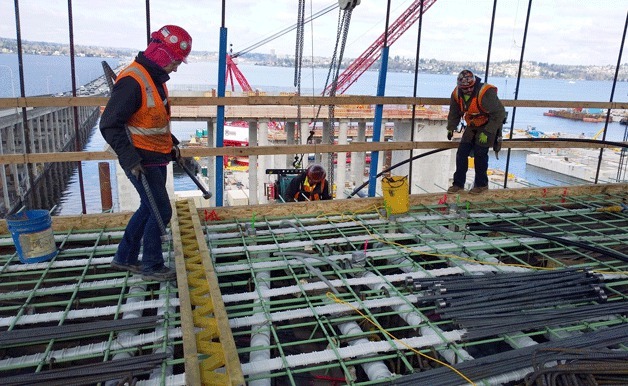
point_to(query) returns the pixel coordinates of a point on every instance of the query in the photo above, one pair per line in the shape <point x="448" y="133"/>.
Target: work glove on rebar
<point x="137" y="170"/>
<point x="450" y="134"/>
<point x="175" y="153"/>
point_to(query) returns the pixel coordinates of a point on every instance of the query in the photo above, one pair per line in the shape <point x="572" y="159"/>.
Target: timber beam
<point x="551" y="194"/>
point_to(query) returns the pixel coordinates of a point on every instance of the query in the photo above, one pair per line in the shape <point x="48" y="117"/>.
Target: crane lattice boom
<point x="373" y="53"/>
<point x="234" y="71"/>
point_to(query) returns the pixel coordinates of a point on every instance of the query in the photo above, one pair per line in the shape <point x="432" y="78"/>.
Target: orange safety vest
<point x="309" y="190"/>
<point x="474" y="115"/>
<point x="149" y="127"/>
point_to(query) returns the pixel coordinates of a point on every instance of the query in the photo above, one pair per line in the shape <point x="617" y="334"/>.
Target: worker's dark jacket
<point x="488" y="110"/>
<point x="298" y="190"/>
<point x="126" y="99"/>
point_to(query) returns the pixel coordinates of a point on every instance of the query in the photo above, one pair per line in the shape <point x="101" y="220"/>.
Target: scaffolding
<point x="453" y="292"/>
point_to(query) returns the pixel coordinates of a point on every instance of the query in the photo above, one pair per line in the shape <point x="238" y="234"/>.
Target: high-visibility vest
<point x="309" y="190"/>
<point x="149" y="127"/>
<point x="475" y="115"/>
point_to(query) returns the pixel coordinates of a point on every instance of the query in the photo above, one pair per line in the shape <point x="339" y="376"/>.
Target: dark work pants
<point x="143" y="229"/>
<point x="462" y="164"/>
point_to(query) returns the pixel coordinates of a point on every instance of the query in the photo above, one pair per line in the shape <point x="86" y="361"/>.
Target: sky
<point x="560" y="31"/>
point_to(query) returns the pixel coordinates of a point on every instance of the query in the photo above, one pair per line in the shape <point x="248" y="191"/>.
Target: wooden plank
<point x="8" y="159"/>
<point x="297" y="100"/>
<point x="119" y="220"/>
<point x="360" y="204"/>
<point x="232" y="361"/>
<point x="83" y="222"/>
<point x="190" y="351"/>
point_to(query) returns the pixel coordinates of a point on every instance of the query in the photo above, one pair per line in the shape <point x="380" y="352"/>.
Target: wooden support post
<point x="104" y="176"/>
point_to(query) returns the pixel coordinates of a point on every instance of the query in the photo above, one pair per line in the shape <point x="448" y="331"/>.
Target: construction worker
<point x="136" y="124"/>
<point x="311" y="185"/>
<point x="484" y="115"/>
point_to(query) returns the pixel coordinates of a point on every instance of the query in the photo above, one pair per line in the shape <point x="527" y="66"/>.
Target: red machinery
<point x="234" y="71"/>
<point x="351" y="74"/>
<point x="373" y="53"/>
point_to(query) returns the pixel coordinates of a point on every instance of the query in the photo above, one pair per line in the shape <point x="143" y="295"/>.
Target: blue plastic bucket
<point x="32" y="234"/>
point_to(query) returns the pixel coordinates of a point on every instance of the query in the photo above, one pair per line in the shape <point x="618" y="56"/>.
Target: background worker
<point x="311" y="185"/>
<point x="136" y="124"/>
<point x="484" y="115"/>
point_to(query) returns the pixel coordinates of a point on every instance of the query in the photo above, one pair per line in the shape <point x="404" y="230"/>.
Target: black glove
<point x="175" y="153"/>
<point x="450" y="134"/>
<point x="138" y="170"/>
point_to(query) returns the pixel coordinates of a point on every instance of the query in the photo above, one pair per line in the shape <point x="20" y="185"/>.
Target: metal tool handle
<point x="206" y="194"/>
<point x="165" y="237"/>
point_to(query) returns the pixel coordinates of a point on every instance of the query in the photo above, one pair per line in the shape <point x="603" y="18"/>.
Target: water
<point x="50" y="75"/>
<point x="47" y="75"/>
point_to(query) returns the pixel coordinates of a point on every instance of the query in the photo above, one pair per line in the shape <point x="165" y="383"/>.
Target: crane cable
<point x="284" y="31"/>
<point x="298" y="62"/>
<point x="344" y="20"/>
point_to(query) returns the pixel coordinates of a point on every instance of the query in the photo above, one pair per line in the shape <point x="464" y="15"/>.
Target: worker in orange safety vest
<point x="484" y="114"/>
<point x="136" y="124"/>
<point x="311" y="185"/>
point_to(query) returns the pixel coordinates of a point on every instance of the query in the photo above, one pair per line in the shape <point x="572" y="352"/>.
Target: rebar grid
<point x="321" y="269"/>
<point x="307" y="259"/>
<point x="58" y="305"/>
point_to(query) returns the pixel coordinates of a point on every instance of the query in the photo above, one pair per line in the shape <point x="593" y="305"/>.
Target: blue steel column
<point x="379" y="109"/>
<point x="220" y="114"/>
<point x="377" y="122"/>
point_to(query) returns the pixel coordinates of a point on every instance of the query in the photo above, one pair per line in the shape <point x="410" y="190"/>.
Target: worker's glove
<point x="175" y="153"/>
<point x="482" y="139"/>
<point x="450" y="134"/>
<point x="137" y="170"/>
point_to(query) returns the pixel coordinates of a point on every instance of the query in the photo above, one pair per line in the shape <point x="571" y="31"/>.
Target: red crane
<point x="234" y="72"/>
<point x="373" y="53"/>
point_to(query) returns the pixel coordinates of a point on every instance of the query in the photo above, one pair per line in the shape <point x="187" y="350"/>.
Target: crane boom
<point x="373" y="52"/>
<point x="234" y="71"/>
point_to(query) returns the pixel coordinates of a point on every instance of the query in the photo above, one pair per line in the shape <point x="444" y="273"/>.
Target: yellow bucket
<point x="396" y="194"/>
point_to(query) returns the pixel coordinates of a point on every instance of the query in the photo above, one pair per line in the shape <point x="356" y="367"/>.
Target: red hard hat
<point x="466" y="79"/>
<point x="176" y="39"/>
<point x="316" y="173"/>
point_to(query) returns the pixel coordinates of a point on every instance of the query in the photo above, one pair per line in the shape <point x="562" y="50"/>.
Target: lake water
<point x="51" y="75"/>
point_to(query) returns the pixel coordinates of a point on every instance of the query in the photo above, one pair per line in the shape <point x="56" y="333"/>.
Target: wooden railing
<point x="306" y="101"/>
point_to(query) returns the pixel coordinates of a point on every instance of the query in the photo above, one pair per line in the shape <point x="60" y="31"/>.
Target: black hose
<point x="578" y="140"/>
<point x="356" y="190"/>
<point x="560" y="240"/>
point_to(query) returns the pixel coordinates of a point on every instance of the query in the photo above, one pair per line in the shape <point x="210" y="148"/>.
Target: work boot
<point x="454" y="189"/>
<point x="134" y="268"/>
<point x="478" y="189"/>
<point x="162" y="274"/>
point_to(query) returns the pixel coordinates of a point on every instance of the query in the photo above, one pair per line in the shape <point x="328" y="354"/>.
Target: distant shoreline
<point x="531" y="69"/>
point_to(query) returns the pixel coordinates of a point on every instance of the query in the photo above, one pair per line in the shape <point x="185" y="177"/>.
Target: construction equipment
<point x="277" y="190"/>
<point x="373" y="52"/>
<point x="232" y="69"/>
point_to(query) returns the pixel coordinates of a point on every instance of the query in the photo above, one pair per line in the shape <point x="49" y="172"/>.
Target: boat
<point x="529" y="132"/>
<point x="578" y="114"/>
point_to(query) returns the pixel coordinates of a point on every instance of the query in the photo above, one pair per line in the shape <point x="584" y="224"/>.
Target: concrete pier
<point x="431" y="174"/>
